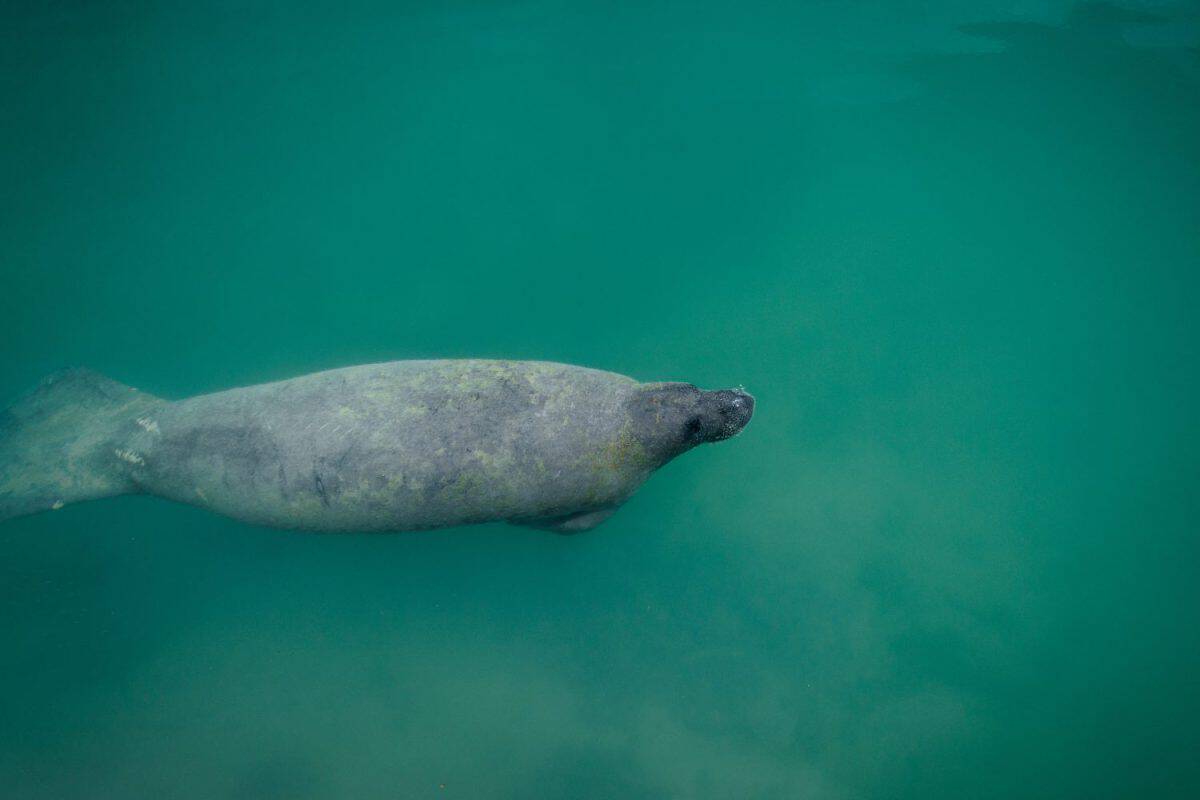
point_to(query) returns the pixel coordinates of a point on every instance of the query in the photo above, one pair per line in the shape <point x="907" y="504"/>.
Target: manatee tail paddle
<point x="57" y="442"/>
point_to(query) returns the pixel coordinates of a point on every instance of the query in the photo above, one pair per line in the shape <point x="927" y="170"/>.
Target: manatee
<point x="397" y="446"/>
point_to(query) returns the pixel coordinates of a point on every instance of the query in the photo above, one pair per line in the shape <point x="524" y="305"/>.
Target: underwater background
<point x="950" y="247"/>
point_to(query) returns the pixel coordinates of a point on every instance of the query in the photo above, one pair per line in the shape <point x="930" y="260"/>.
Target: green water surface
<point x="951" y="248"/>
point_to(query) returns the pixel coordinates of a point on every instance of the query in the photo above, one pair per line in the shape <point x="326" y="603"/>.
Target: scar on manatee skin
<point x="321" y="489"/>
<point x="129" y="456"/>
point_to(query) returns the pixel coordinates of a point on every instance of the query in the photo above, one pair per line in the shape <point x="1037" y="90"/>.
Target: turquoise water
<point x="952" y="251"/>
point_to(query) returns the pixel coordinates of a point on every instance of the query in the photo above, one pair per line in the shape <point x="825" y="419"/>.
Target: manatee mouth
<point x="733" y="409"/>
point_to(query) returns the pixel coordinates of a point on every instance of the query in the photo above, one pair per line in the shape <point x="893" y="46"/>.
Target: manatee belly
<point x="400" y="446"/>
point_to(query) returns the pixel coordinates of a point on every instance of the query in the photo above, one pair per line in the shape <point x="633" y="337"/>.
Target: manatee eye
<point x="693" y="427"/>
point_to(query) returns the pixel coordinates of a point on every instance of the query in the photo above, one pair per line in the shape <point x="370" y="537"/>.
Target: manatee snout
<point x="724" y="413"/>
<point x="671" y="418"/>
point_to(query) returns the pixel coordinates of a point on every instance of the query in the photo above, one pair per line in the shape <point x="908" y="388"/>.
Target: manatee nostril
<point x="738" y="411"/>
<point x="744" y="401"/>
<point x="740" y="403"/>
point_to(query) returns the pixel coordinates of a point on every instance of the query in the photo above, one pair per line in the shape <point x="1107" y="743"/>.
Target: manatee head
<point x="672" y="418"/>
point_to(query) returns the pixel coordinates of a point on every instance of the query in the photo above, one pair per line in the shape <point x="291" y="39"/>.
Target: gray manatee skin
<point x="403" y="445"/>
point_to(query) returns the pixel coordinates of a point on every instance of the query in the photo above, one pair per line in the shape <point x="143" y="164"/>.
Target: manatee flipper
<point x="569" y="523"/>
<point x="59" y="443"/>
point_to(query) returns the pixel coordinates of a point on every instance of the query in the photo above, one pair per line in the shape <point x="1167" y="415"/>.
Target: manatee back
<point x="404" y="445"/>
